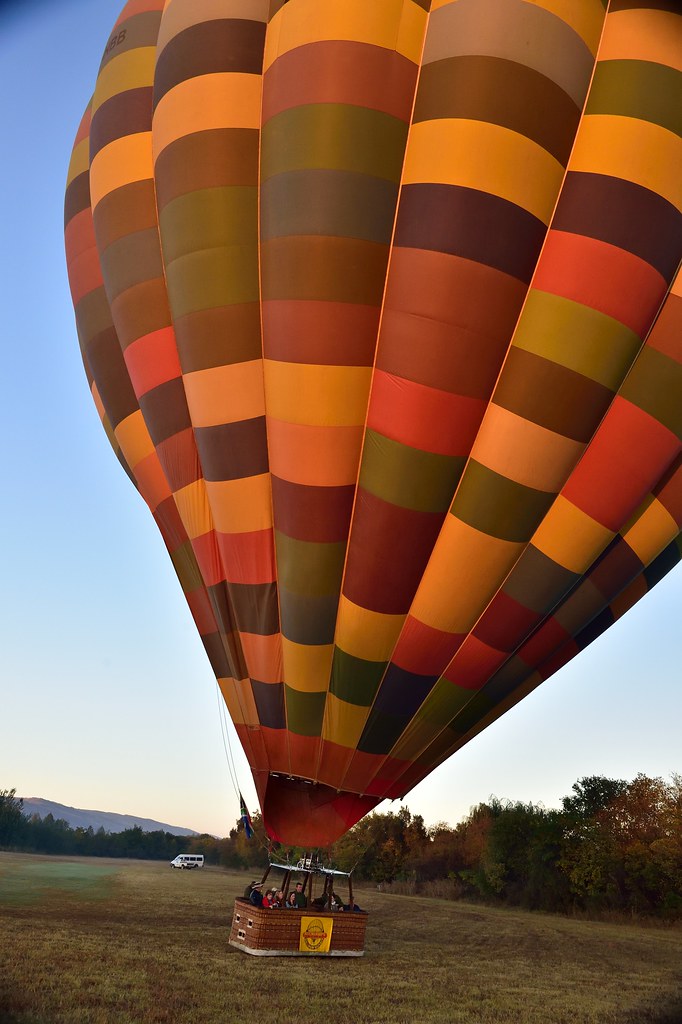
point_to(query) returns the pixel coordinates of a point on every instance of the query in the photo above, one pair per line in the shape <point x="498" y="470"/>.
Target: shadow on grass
<point x="669" y="1012"/>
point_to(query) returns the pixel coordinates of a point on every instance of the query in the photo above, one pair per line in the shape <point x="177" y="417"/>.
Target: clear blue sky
<point x="108" y="700"/>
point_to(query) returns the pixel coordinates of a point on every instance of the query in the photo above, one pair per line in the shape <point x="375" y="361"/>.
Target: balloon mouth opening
<point x="299" y="812"/>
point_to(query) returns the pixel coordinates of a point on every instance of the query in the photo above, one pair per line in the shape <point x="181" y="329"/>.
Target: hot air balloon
<point x="379" y="305"/>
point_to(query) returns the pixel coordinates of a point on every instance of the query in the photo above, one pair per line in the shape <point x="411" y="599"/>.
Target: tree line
<point x="612" y="845"/>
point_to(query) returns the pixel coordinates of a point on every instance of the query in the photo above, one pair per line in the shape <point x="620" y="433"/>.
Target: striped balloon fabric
<point x="379" y="304"/>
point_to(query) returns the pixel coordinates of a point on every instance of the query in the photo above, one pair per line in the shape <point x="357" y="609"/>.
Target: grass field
<point x="112" y="942"/>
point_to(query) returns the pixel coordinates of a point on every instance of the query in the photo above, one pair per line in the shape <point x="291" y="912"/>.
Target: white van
<point x="188" y="860"/>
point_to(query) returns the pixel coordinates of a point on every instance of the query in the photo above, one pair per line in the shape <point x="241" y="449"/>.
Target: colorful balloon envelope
<point x="378" y="305"/>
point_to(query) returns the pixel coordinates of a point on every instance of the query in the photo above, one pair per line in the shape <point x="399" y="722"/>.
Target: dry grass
<point x="111" y="942"/>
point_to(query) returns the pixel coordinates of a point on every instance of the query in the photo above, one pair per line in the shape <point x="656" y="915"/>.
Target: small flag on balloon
<point x="246" y="818"/>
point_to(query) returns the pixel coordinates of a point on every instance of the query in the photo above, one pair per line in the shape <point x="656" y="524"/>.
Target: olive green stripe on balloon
<point x="355" y="680"/>
<point x="408" y="477"/>
<point x="305" y="711"/>
<point x="335" y="136"/>
<point x="655" y="385"/>
<point x="577" y="337"/>
<point x="309" y="568"/>
<point x="498" y="506"/>
<point x="131" y="259"/>
<point x="211" y="158"/>
<point x="308" y="619"/>
<point x="213" y="277"/>
<point x="185" y="565"/>
<point x="328" y="202"/>
<point x="208" y="219"/>
<point x="639" y="89"/>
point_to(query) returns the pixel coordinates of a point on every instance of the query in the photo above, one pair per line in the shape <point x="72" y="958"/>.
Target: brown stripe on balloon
<point x="305" y="332"/>
<point x="207" y="159"/>
<point x="318" y="267"/>
<point x="655" y="385"/>
<point x="638" y="89"/>
<point x="317" y="514"/>
<point x="94" y="315"/>
<point x="383" y="529"/>
<point x="667" y="6"/>
<point x="77" y="196"/>
<point x="109" y="370"/>
<point x="615" y="569"/>
<point x="551" y="395"/>
<point x="472" y="224"/>
<point x="308" y="619"/>
<point x="536" y="580"/>
<point x="446" y="299"/>
<point x="177" y="454"/>
<point x="341" y="71"/>
<point x="126" y="113"/>
<point x="125" y="211"/>
<point x="230" y="451"/>
<point x="498" y="506"/>
<point x="141" y="310"/>
<point x="323" y="201"/>
<point x="253" y="605"/>
<point x="594" y="205"/>
<point x="218" y="46"/>
<point x="131" y="259"/>
<point x="219" y="336"/>
<point x="139" y="30"/>
<point x="165" y="410"/>
<point x="501" y="92"/>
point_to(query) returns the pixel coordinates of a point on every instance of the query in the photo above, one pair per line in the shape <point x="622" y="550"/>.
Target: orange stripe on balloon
<point x="152" y="360"/>
<point x="79" y="235"/>
<point x="423" y="417"/>
<point x="248" y="557"/>
<point x="602" y="277"/>
<point x="85" y="275"/>
<point x="599" y="486"/>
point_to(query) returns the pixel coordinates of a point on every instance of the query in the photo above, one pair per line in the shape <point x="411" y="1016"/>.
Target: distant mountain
<point x="76" y="817"/>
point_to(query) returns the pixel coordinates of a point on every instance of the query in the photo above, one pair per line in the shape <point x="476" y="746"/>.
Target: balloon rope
<point x="226" y="742"/>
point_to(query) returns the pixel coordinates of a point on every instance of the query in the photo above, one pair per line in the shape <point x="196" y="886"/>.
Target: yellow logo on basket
<point x="316" y="934"/>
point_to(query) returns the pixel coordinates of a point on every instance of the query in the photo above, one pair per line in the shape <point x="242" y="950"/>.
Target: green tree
<point x="11" y="817"/>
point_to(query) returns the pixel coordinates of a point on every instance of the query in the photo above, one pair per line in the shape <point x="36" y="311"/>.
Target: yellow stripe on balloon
<point x="225" y="394"/>
<point x="651" y="532"/>
<point x="134" y="439"/>
<point x="392" y="24"/>
<point x="120" y="163"/>
<point x="317" y="394"/>
<point x="365" y="634"/>
<point x="307" y="667"/>
<point x="221" y="100"/>
<point x="638" y="151"/>
<point x="80" y="160"/>
<point x="192" y="504"/>
<point x="132" y="69"/>
<point x="343" y="722"/>
<point x="485" y="157"/>
<point x="570" y="537"/>
<point x="455" y="589"/>
<point x="241" y="506"/>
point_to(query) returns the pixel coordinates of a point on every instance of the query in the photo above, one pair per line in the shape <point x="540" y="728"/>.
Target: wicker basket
<point x="265" y="932"/>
